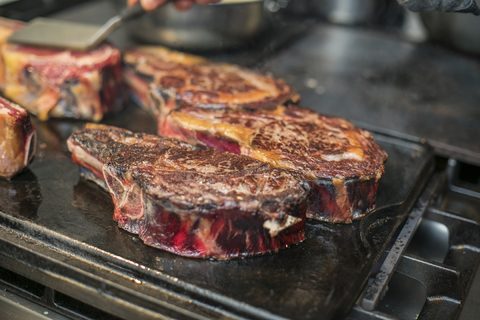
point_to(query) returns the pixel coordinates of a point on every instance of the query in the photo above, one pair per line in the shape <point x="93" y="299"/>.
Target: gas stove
<point x="415" y="257"/>
<point x="428" y="269"/>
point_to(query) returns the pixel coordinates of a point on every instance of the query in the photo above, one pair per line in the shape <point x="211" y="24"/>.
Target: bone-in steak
<point x="189" y="201"/>
<point x="182" y="79"/>
<point x="17" y="139"/>
<point x="237" y="110"/>
<point x="61" y="83"/>
<point x="343" y="162"/>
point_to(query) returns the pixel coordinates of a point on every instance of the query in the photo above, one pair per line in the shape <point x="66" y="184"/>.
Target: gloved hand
<point x="181" y="5"/>
<point x="465" y="6"/>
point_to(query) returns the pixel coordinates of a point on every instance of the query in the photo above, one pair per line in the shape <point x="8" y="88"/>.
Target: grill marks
<point x="194" y="202"/>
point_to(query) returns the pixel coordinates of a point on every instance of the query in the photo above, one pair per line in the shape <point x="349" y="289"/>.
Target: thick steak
<point x="343" y="162"/>
<point x="160" y="78"/>
<point x="17" y="139"/>
<point x="60" y="83"/>
<point x="189" y="201"/>
<point x="237" y="110"/>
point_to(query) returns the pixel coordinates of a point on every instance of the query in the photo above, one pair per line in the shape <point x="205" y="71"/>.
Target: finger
<point x="132" y="2"/>
<point x="150" y="5"/>
<point x="183" y="5"/>
<point x="205" y="2"/>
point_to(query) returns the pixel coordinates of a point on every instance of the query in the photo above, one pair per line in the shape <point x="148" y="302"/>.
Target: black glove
<point x="465" y="6"/>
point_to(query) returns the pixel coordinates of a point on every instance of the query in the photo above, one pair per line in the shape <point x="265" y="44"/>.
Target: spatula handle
<point x="132" y="12"/>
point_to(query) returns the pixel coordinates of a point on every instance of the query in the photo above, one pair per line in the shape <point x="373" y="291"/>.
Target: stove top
<point x="378" y="79"/>
<point x="57" y="250"/>
<point x="436" y="264"/>
<point x="58" y="228"/>
<point x="431" y="280"/>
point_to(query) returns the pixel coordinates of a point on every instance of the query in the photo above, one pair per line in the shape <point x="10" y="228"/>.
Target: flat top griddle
<point x="377" y="78"/>
<point x="54" y="222"/>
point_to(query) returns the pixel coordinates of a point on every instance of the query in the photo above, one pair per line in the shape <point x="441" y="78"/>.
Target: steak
<point x="17" y="139"/>
<point x="192" y="201"/>
<point x="161" y="78"/>
<point x="61" y="83"/>
<point x="343" y="162"/>
<point x="237" y="110"/>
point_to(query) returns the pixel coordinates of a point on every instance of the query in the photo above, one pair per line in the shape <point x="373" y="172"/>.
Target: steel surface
<point x="60" y="229"/>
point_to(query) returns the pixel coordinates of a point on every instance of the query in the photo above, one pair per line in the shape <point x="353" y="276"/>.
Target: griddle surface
<point x="54" y="222"/>
<point x="377" y="78"/>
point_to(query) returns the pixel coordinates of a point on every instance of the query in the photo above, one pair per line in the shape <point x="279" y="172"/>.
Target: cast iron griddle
<point x="58" y="230"/>
<point x="377" y="78"/>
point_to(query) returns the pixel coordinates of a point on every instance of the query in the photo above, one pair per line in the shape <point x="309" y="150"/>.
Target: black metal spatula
<point x="71" y="35"/>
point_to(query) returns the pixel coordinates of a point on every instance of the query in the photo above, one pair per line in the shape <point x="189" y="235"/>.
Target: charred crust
<point x="301" y="137"/>
<point x="249" y="180"/>
<point x="191" y="201"/>
<point x="205" y="84"/>
<point x="313" y="147"/>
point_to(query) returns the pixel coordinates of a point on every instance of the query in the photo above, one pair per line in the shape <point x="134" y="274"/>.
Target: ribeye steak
<point x="61" y="83"/>
<point x="190" y="201"/>
<point x="161" y="78"/>
<point x="343" y="162"/>
<point x="17" y="139"/>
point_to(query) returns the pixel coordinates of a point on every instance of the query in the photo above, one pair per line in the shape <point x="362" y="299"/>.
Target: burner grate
<point x="447" y="283"/>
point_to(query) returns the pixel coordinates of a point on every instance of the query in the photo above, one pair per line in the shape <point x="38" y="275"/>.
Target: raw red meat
<point x="17" y="139"/>
<point x="61" y="83"/>
<point x="190" y="201"/>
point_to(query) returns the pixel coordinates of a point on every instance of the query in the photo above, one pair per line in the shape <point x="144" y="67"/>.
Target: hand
<point x="181" y="5"/>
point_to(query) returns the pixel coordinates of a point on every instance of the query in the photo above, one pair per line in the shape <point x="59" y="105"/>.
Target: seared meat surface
<point x="342" y="161"/>
<point x="236" y="110"/>
<point x="60" y="83"/>
<point x="190" y="201"/>
<point x="17" y="139"/>
<point x="165" y="78"/>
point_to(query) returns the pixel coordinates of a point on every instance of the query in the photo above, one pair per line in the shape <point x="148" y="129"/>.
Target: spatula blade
<point x="58" y="34"/>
